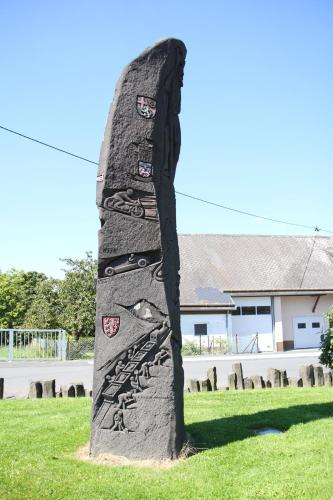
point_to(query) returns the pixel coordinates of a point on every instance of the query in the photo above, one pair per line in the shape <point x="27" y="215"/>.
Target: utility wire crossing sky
<point x="315" y="228"/>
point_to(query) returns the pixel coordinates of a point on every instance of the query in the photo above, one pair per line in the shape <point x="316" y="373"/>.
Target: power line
<point x="224" y="207"/>
<point x="308" y="261"/>
<point x="48" y="145"/>
<point x="315" y="228"/>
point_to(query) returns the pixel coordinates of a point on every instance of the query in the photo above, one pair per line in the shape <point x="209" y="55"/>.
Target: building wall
<point x="296" y="306"/>
<point x="216" y="323"/>
<point x="246" y="327"/>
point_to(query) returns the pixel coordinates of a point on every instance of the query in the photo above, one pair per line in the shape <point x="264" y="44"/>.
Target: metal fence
<point x="81" y="348"/>
<point x="204" y="344"/>
<point x="197" y="345"/>
<point x="245" y="343"/>
<point x="32" y="344"/>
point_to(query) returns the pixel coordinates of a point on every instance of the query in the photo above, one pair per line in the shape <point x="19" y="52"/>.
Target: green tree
<point x="77" y="296"/>
<point x="17" y="291"/>
<point x="326" y="357"/>
<point x="44" y="311"/>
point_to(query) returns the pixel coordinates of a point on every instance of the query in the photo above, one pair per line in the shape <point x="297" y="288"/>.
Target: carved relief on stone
<point x="110" y="325"/>
<point x="138" y="375"/>
<point x="134" y="261"/>
<point x="146" y="106"/>
<point x="126" y="263"/>
<point x="123" y="202"/>
<point x="140" y="158"/>
<point x="123" y="382"/>
<point x="126" y="203"/>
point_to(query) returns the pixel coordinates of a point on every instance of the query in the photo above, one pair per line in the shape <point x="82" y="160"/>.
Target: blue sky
<point x="256" y="115"/>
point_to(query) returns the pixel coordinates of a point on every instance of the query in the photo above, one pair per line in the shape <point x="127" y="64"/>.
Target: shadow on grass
<point x="221" y="431"/>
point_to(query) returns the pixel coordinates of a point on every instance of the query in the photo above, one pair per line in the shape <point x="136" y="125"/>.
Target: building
<point x="272" y="288"/>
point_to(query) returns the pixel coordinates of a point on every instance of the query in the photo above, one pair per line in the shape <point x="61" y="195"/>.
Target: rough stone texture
<point x="318" y="374"/>
<point x="258" y="381"/>
<point x="268" y="384"/>
<point x="274" y="377"/>
<point x="248" y="383"/>
<point x="307" y="376"/>
<point x="205" y="385"/>
<point x="193" y="385"/>
<point x="1" y="387"/>
<point x="295" y="382"/>
<point x="48" y="388"/>
<point x="68" y="391"/>
<point x="238" y="369"/>
<point x="35" y="390"/>
<point x="138" y="374"/>
<point x="212" y="376"/>
<point x="232" y="381"/>
<point x="328" y="379"/>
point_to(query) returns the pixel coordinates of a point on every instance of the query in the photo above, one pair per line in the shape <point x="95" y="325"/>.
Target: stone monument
<point x="138" y="374"/>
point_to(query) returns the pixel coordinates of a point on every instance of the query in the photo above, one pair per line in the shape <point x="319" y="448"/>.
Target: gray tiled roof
<point x="253" y="263"/>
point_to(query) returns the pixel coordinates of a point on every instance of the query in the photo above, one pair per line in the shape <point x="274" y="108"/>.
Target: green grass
<point x="29" y="352"/>
<point x="38" y="439"/>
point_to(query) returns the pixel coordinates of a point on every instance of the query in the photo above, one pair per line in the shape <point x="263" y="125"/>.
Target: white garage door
<point x="307" y="331"/>
<point x="253" y="317"/>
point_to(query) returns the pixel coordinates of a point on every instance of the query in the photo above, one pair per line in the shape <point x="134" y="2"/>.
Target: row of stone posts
<point x="47" y="389"/>
<point x="309" y="376"/>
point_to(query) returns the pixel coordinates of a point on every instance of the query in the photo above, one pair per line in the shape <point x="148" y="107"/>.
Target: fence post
<point x="11" y="346"/>
<point x="63" y="345"/>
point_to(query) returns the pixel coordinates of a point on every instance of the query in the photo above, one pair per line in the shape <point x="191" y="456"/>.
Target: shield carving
<point x="110" y="325"/>
<point x="146" y="106"/>
<point x="145" y="169"/>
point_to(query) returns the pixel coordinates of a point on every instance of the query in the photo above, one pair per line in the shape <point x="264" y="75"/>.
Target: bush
<point x="190" y="348"/>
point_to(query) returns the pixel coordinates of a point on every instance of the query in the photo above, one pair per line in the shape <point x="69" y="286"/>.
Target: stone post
<point x="295" y="382"/>
<point x="307" y="376"/>
<point x="248" y="383"/>
<point x="318" y="374"/>
<point x="35" y="390"/>
<point x="258" y="381"/>
<point x="274" y="377"/>
<point x="48" y="388"/>
<point x="328" y="379"/>
<point x="232" y="381"/>
<point x="67" y="391"/>
<point x="1" y="388"/>
<point x="205" y="385"/>
<point x="138" y="375"/>
<point x="212" y="376"/>
<point x="237" y="368"/>
<point x="193" y="385"/>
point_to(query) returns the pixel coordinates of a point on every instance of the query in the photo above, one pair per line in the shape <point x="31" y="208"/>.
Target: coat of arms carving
<point x="146" y="106"/>
<point x="110" y="325"/>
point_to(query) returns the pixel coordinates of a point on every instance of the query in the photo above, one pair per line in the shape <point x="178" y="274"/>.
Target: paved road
<point x="18" y="373"/>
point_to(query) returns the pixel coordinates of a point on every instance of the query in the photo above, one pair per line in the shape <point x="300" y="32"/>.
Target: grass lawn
<point x="38" y="439"/>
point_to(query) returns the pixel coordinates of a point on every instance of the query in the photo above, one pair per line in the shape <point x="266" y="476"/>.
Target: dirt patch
<point x="119" y="461"/>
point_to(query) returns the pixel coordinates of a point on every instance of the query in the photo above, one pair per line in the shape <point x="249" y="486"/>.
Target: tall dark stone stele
<point x="138" y="374"/>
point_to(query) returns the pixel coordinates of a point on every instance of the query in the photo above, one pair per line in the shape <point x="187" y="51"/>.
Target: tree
<point x="77" y="296"/>
<point x="17" y="291"/>
<point x="326" y="357"/>
<point x="44" y="311"/>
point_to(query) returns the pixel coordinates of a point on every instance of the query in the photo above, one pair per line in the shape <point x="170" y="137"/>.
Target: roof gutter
<point x="291" y="291"/>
